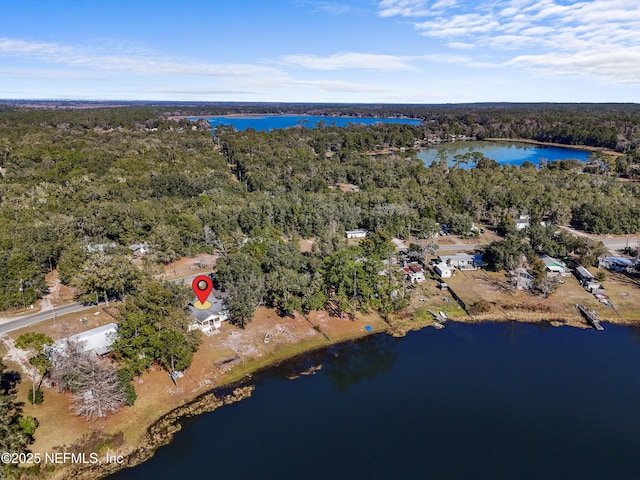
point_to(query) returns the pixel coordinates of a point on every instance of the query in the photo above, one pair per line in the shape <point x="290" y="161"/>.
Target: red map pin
<point x="202" y="286"/>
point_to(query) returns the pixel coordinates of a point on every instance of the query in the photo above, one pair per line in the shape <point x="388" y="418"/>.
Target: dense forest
<point x="79" y="184"/>
<point x="108" y="177"/>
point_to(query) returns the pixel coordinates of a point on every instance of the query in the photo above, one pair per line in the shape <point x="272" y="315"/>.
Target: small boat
<point x="438" y="325"/>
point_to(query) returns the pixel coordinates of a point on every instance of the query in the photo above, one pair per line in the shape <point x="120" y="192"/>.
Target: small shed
<point x="523" y="222"/>
<point x="443" y="270"/>
<point x="139" y="249"/>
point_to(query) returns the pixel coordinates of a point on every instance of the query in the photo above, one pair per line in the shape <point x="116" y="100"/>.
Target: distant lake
<point x="270" y="122"/>
<point x="505" y="153"/>
<point x="483" y="402"/>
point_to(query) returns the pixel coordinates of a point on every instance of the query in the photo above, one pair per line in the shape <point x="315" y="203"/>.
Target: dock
<point x="590" y="315"/>
<point x="440" y="316"/>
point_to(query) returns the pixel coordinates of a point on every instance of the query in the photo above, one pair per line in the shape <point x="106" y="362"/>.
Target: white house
<point x="209" y="320"/>
<point x="98" y="340"/>
<point x="414" y="273"/>
<point x="522" y="222"/>
<point x="459" y="260"/>
<point x="443" y="270"/>
<point x="139" y="249"/>
<point x="360" y="233"/>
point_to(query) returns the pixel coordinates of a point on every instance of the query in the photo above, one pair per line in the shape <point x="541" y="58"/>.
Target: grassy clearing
<point x="495" y="300"/>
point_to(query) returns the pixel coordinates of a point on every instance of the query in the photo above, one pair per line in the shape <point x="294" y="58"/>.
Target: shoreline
<point x="162" y="430"/>
<point x="553" y="144"/>
<point x="158" y="422"/>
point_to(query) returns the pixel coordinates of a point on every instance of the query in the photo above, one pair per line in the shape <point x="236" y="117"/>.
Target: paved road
<point x="75" y="307"/>
<point x="41" y="316"/>
<point x="619" y="242"/>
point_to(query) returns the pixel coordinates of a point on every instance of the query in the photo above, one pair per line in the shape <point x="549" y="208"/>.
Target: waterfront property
<point x="504" y="393"/>
<point x="583" y="275"/>
<point x="210" y="320"/>
<point x="553" y="266"/>
<point x="587" y="280"/>
<point x="413" y="273"/>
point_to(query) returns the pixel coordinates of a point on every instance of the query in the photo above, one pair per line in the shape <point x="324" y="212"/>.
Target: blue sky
<point x="379" y="51"/>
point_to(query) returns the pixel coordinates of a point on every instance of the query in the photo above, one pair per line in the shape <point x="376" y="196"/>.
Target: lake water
<point x="505" y="153"/>
<point x="270" y="122"/>
<point x="489" y="401"/>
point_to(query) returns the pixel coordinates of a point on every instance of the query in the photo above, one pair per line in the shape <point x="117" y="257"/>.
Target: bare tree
<point x="93" y="381"/>
<point x="99" y="390"/>
<point x="65" y="364"/>
<point x="545" y="286"/>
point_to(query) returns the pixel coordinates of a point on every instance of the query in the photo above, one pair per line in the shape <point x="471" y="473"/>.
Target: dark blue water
<point x="505" y="153"/>
<point x="491" y="401"/>
<point x="270" y="122"/>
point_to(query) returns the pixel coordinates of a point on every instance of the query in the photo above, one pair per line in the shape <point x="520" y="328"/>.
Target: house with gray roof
<point x="553" y="266"/>
<point x="209" y="320"/>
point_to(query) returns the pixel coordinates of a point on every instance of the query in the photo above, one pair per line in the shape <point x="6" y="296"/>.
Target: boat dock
<point x="440" y="316"/>
<point x="590" y="315"/>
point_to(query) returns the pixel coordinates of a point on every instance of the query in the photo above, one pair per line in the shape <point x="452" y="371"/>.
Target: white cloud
<point x="404" y="8"/>
<point x="461" y="45"/>
<point x="552" y="36"/>
<point x="18" y="72"/>
<point x="615" y="66"/>
<point x="142" y="63"/>
<point x="333" y="8"/>
<point x="349" y="60"/>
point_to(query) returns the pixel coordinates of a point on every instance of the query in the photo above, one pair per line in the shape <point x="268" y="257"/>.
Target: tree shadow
<point x="9" y="381"/>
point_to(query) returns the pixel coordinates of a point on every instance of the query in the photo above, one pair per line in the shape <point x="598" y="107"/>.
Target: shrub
<point x="36" y="399"/>
<point x="28" y="424"/>
<point x="127" y="387"/>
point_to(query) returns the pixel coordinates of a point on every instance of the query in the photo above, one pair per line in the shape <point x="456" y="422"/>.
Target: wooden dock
<point x="590" y="315"/>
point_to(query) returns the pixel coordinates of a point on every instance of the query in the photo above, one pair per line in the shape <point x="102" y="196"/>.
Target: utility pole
<point x="24" y="302"/>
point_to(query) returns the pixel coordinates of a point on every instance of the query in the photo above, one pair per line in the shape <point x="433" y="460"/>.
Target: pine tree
<point x="13" y="438"/>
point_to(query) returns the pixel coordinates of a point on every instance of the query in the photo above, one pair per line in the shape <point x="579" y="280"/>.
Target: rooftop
<point x="98" y="340"/>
